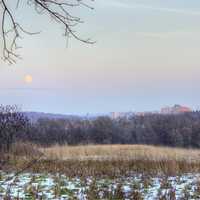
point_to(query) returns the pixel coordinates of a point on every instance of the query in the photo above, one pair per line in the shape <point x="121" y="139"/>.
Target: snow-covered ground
<point x="49" y="186"/>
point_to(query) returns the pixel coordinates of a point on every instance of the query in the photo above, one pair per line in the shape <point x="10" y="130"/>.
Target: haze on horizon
<point x="146" y="57"/>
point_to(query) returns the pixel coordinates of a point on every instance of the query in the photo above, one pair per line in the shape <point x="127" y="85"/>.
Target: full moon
<point x="28" y="79"/>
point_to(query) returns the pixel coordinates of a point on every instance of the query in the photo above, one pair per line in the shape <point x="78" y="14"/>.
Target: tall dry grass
<point x="105" y="160"/>
<point x="121" y="152"/>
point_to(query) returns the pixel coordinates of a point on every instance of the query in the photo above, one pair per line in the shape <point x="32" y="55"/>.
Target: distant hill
<point x="34" y="116"/>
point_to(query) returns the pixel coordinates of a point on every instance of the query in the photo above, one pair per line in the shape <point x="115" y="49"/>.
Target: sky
<point x="146" y="56"/>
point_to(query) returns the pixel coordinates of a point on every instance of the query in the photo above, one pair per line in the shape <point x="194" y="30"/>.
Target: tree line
<point x="181" y="130"/>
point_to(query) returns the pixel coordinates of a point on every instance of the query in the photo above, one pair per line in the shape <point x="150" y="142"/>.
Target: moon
<point x="28" y="79"/>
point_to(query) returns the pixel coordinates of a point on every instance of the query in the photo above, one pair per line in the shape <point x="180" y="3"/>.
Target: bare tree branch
<point x="58" y="10"/>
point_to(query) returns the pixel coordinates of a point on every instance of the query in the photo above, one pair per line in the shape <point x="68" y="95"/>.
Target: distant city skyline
<point x="146" y="57"/>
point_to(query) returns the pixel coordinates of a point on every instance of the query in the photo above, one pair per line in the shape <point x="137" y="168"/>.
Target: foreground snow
<point x="49" y="186"/>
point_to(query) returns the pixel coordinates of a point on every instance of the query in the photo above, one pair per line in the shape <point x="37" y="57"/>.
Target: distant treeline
<point x="181" y="130"/>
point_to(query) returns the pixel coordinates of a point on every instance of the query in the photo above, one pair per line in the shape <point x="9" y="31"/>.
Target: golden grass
<point x="120" y="152"/>
<point x="110" y="160"/>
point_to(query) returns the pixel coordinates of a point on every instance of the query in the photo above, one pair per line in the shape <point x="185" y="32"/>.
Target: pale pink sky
<point x="146" y="56"/>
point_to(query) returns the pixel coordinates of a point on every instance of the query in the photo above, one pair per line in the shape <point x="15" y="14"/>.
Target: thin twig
<point x="58" y="10"/>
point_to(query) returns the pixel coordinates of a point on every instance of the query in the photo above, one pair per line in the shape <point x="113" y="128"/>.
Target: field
<point x="116" y="160"/>
<point x="137" y="187"/>
<point x="104" y="172"/>
<point x="125" y="152"/>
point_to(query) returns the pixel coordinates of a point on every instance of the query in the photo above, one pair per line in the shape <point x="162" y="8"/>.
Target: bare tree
<point x="12" y="122"/>
<point x="58" y="10"/>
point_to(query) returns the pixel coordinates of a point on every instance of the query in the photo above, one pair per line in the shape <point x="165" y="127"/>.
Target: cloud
<point x="165" y="35"/>
<point x="132" y="5"/>
<point x="170" y="10"/>
<point x="29" y="89"/>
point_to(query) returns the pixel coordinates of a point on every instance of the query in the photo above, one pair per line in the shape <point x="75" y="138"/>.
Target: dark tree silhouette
<point x="12" y="123"/>
<point x="58" y="10"/>
<point x="176" y="130"/>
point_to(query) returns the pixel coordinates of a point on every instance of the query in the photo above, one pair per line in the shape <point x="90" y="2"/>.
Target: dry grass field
<point x="138" y="172"/>
<point x="117" y="160"/>
<point x="121" y="152"/>
<point x="106" y="160"/>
